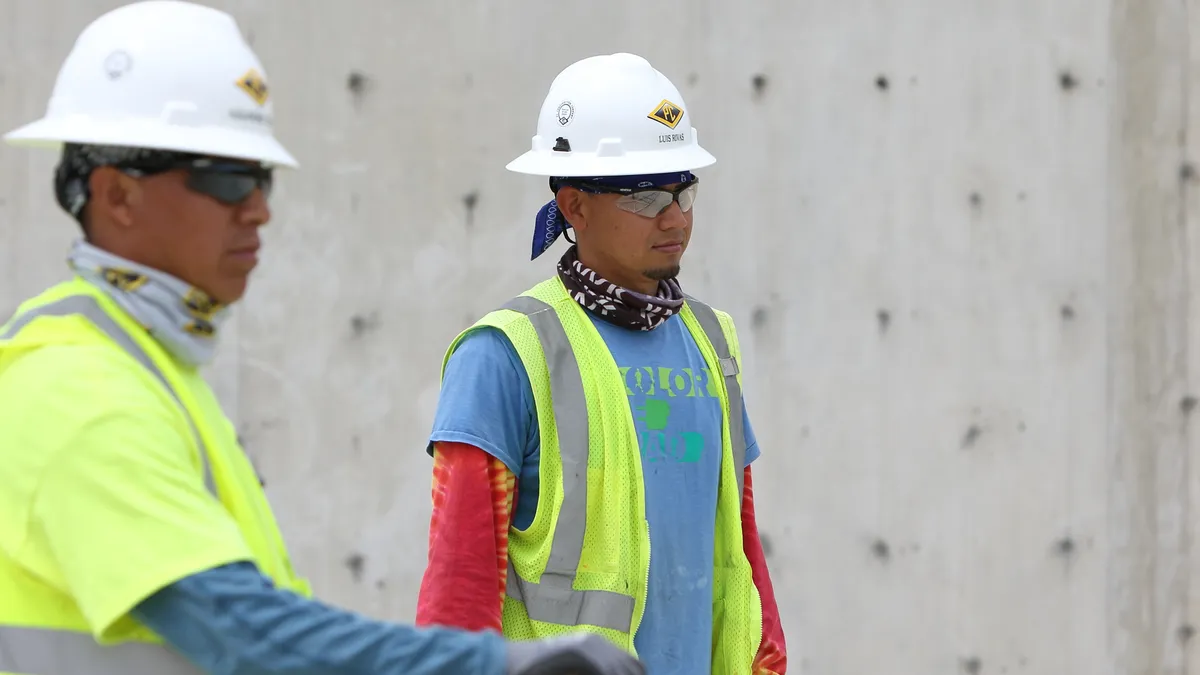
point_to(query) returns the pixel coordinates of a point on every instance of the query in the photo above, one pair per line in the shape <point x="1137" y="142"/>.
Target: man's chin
<point x="662" y="273"/>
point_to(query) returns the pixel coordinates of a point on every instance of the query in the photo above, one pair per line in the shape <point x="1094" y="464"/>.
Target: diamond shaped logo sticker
<point x="667" y="114"/>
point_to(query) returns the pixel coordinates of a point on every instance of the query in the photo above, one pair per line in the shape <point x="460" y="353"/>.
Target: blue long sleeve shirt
<point x="231" y="620"/>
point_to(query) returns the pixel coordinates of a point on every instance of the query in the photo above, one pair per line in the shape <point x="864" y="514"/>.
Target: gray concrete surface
<point x="958" y="239"/>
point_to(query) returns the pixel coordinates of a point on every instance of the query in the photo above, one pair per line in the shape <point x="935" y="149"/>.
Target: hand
<point x="574" y="654"/>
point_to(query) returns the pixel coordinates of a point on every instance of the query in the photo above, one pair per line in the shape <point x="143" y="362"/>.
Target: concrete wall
<point x="958" y="239"/>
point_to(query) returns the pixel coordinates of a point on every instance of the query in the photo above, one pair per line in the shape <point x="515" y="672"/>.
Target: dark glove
<point x="574" y="654"/>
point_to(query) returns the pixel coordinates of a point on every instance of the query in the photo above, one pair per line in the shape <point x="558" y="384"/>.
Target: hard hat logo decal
<point x="667" y="113"/>
<point x="566" y="113"/>
<point x="253" y="84"/>
<point x="117" y="64"/>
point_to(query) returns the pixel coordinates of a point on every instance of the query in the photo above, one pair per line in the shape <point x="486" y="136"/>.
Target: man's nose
<point x="672" y="218"/>
<point x="255" y="211"/>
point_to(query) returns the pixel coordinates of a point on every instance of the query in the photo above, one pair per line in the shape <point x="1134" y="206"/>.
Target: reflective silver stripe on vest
<point x="554" y="599"/>
<point x="87" y="307"/>
<point x="41" y="651"/>
<point x="729" y="369"/>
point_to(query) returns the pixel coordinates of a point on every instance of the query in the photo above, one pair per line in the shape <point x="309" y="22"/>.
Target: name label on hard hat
<point x="671" y="138"/>
<point x="251" y="116"/>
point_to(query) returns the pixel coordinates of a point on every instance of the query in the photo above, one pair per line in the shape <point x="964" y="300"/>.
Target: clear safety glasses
<point x="228" y="182"/>
<point x="648" y="202"/>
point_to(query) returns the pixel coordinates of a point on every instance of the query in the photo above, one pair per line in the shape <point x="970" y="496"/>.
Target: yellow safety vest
<point x="583" y="564"/>
<point x="42" y="631"/>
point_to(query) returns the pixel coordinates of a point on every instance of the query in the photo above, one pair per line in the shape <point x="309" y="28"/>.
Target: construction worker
<point x="134" y="536"/>
<point x="591" y="435"/>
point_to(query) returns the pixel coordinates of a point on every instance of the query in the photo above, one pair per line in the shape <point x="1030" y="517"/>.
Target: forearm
<point x="465" y="575"/>
<point x="231" y="620"/>
<point x="772" y="652"/>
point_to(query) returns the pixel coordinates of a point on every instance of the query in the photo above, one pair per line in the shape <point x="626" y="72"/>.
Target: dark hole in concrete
<point x="356" y="443"/>
<point x="881" y="83"/>
<point x="1067" y="81"/>
<point x="1067" y="312"/>
<point x="1021" y="427"/>
<point x="759" y="81"/>
<point x="1065" y="547"/>
<point x="692" y="79"/>
<point x="471" y="200"/>
<point x="1187" y="404"/>
<point x="355" y="563"/>
<point x="356" y="82"/>
<point x="1021" y="196"/>
<point x="881" y="550"/>
<point x="361" y="323"/>
<point x="1186" y="632"/>
<point x="767" y="545"/>
<point x="804" y="432"/>
<point x="381" y="584"/>
<point x="976" y="200"/>
<point x="972" y="435"/>
<point x="972" y="665"/>
<point x="759" y="317"/>
<point x="1187" y="171"/>
<point x="884" y="318"/>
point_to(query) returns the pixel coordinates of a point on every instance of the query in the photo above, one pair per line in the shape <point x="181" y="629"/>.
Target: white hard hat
<point x="165" y="75"/>
<point x="612" y="115"/>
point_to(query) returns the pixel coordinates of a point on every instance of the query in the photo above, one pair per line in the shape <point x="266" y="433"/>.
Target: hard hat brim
<point x="583" y="164"/>
<point x="152" y="134"/>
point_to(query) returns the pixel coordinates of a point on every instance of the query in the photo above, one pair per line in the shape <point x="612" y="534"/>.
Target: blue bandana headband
<point x="550" y="224"/>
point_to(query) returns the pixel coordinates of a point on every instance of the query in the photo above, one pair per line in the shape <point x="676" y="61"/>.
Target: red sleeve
<point x="465" y="576"/>
<point x="772" y="652"/>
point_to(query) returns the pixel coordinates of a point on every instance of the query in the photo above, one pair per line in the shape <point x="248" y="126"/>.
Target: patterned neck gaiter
<point x="614" y="304"/>
<point x="184" y="319"/>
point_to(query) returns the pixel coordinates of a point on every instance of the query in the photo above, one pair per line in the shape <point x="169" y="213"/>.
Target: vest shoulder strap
<point x="711" y="325"/>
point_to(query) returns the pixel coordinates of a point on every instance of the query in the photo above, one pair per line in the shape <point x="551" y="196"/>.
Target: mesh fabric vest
<point x="583" y="564"/>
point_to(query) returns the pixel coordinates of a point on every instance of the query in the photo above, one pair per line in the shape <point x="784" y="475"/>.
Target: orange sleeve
<point x="466" y="573"/>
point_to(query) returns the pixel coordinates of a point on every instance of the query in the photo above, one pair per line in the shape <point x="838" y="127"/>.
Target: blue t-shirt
<point x="487" y="401"/>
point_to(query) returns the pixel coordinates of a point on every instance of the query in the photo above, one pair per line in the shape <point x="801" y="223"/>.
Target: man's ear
<point x="114" y="196"/>
<point x="572" y="206"/>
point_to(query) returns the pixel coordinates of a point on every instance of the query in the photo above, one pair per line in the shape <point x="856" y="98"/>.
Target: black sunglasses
<point x="226" y="181"/>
